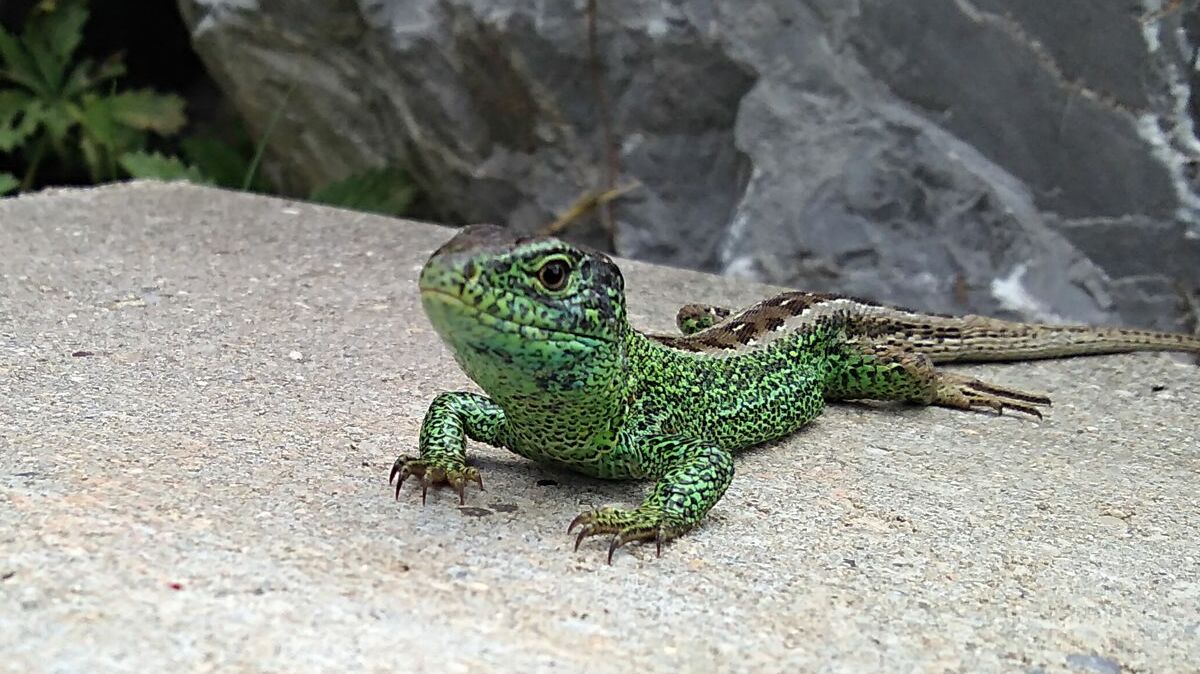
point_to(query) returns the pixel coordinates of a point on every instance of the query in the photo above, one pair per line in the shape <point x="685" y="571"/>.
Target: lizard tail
<point x="987" y="339"/>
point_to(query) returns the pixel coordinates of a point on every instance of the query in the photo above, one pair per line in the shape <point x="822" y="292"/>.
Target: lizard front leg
<point x="451" y="419"/>
<point x="692" y="476"/>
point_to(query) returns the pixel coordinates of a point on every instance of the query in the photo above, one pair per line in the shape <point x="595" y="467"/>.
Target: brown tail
<point x="978" y="338"/>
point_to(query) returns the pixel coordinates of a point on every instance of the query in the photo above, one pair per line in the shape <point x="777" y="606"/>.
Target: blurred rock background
<point x="1009" y="157"/>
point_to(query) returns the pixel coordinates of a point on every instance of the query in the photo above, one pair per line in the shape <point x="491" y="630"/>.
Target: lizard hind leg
<point x="888" y="373"/>
<point x="692" y="318"/>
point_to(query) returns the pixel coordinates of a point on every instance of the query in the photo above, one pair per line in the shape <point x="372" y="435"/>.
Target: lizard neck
<point x="557" y="389"/>
<point x="574" y="378"/>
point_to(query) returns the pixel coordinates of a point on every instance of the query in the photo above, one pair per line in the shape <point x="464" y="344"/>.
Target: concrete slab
<point x="201" y="394"/>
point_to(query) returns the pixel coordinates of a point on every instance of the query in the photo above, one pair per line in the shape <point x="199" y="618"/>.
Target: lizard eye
<point x="553" y="274"/>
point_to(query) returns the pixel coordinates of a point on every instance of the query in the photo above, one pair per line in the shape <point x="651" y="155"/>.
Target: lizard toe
<point x="631" y="535"/>
<point x="967" y="393"/>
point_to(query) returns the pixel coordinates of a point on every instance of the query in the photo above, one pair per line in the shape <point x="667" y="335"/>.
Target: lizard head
<point x="536" y="305"/>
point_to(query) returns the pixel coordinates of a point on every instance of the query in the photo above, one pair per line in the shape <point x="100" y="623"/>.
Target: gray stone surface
<point x="1034" y="159"/>
<point x="201" y="394"/>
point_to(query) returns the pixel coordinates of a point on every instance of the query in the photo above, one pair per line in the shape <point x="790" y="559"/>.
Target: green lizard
<point x="540" y="326"/>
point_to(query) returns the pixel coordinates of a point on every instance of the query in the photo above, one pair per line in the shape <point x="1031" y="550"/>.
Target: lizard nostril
<point x="469" y="270"/>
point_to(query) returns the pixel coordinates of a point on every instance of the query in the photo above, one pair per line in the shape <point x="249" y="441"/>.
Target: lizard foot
<point x="433" y="472"/>
<point x="966" y="393"/>
<point x="626" y="526"/>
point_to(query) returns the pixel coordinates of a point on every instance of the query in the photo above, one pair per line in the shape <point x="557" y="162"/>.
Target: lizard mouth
<point x="444" y="294"/>
<point x="495" y="322"/>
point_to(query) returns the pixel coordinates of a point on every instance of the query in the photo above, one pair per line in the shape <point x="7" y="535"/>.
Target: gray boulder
<point x="1013" y="157"/>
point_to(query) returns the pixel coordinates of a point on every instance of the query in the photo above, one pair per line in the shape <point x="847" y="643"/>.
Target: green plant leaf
<point x="79" y="80"/>
<point x="160" y="167"/>
<point x="19" y="66"/>
<point x="98" y="116"/>
<point x="60" y="29"/>
<point x="50" y="38"/>
<point x="147" y="110"/>
<point x="220" y="162"/>
<point x="95" y="114"/>
<point x="95" y="157"/>
<point x="385" y="190"/>
<point x="20" y="116"/>
<point x="58" y="120"/>
<point x="8" y="183"/>
<point x="87" y="75"/>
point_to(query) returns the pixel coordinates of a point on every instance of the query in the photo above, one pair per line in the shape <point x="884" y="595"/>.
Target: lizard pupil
<point x="553" y="275"/>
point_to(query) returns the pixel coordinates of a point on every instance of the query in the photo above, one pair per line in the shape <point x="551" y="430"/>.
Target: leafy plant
<point x="160" y="167"/>
<point x="205" y="160"/>
<point x="226" y="164"/>
<point x="386" y="190"/>
<point x="68" y="109"/>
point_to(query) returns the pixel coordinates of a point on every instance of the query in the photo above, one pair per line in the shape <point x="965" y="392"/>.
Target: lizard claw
<point x="579" y="519"/>
<point x="629" y="536"/>
<point x="626" y="526"/>
<point x="434" y="472"/>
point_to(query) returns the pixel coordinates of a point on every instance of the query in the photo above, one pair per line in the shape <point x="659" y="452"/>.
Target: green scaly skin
<point x="570" y="383"/>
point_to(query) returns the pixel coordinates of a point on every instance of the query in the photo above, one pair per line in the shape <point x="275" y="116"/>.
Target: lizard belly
<point x="608" y="463"/>
<point x="567" y="442"/>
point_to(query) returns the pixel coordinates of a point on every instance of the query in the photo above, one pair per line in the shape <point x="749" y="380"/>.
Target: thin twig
<point x="585" y="203"/>
<point x="1169" y="7"/>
